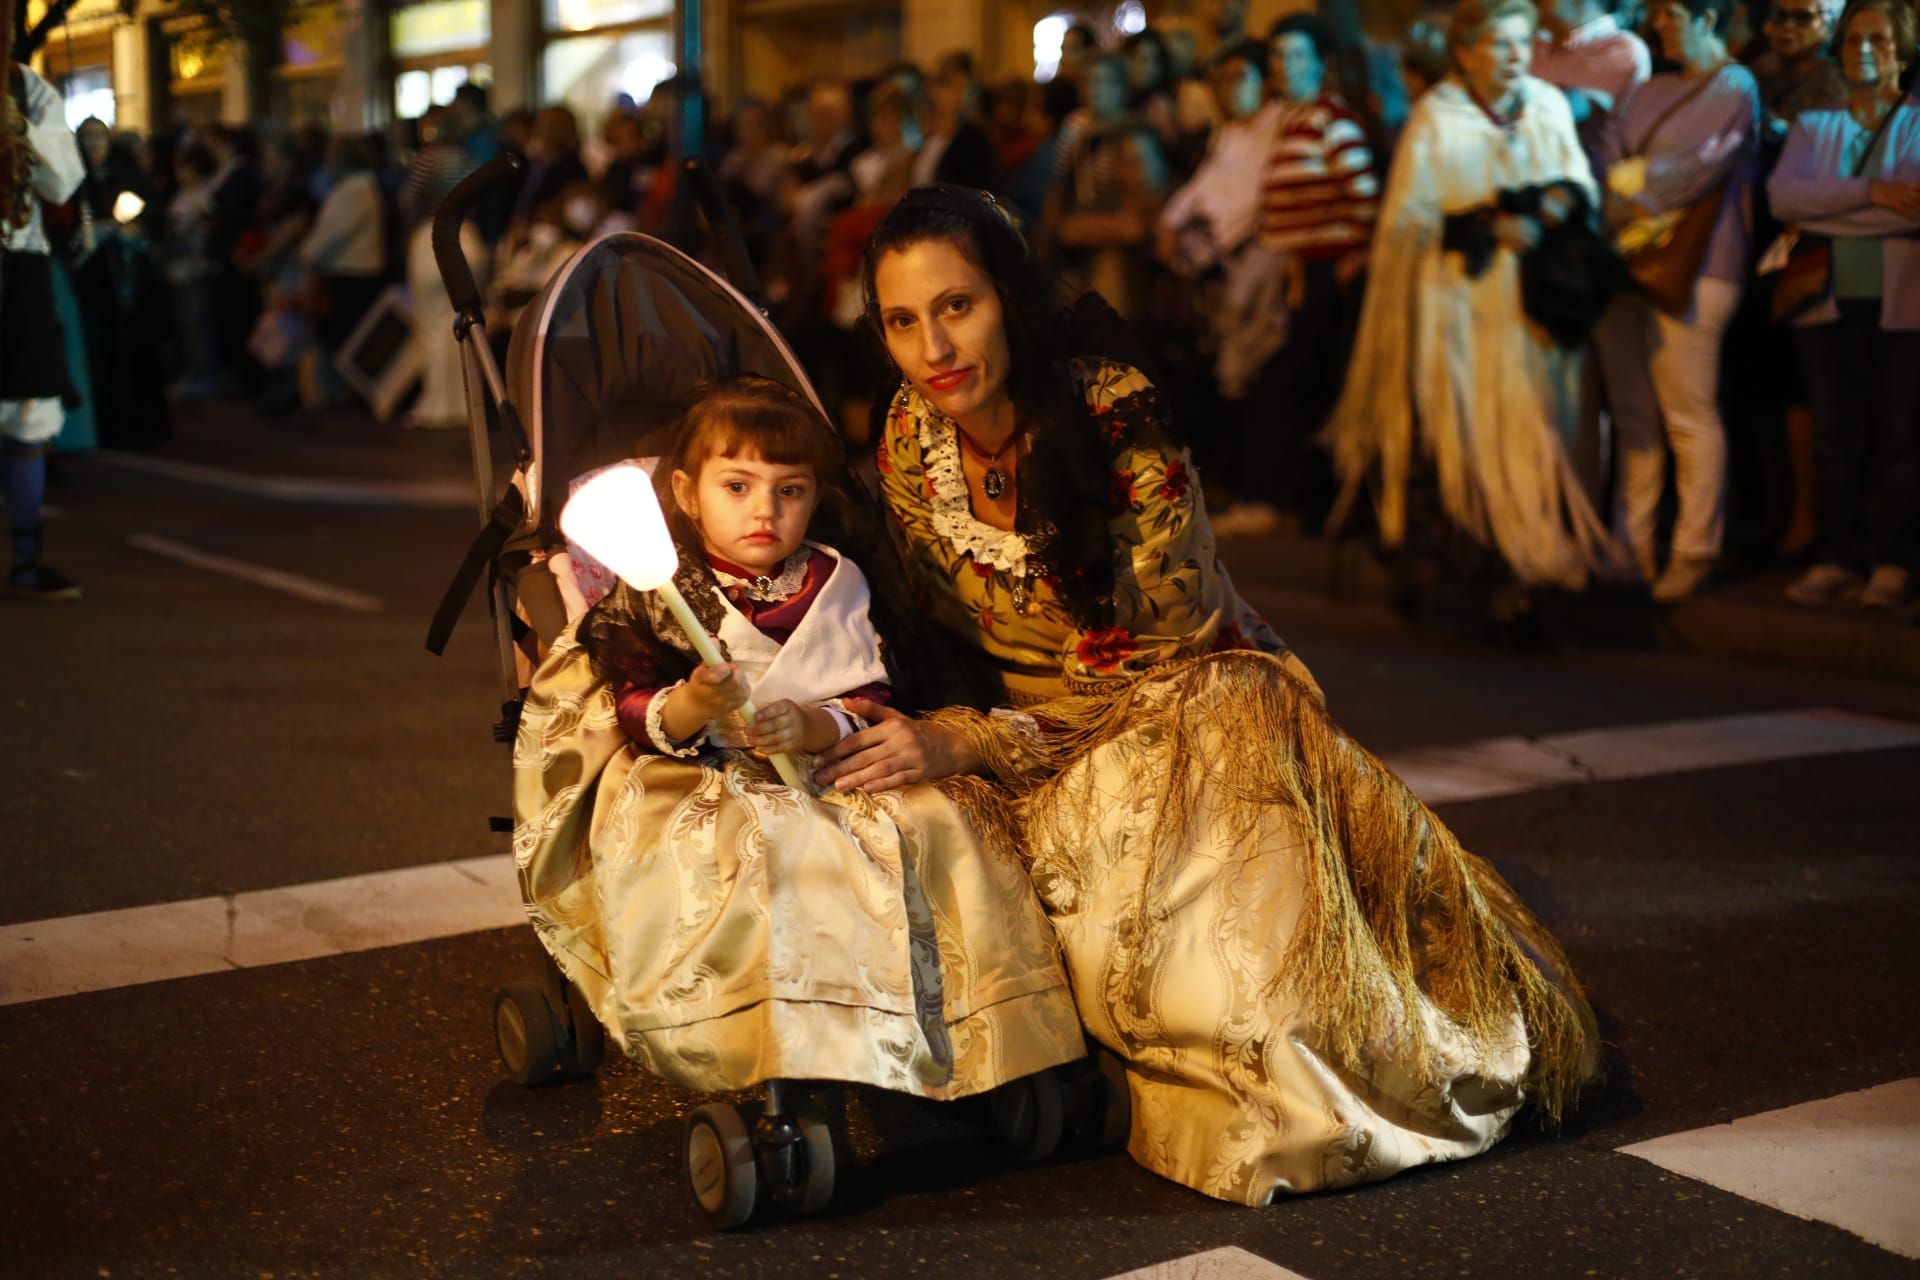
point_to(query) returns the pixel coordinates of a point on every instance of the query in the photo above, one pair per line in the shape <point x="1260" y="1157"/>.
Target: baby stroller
<point x="605" y="359"/>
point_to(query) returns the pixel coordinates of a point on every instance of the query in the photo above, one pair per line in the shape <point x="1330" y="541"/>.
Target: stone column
<point x="515" y="54"/>
<point x="929" y="28"/>
<point x="236" y="105"/>
<point x="362" y="101"/>
<point x="133" y="72"/>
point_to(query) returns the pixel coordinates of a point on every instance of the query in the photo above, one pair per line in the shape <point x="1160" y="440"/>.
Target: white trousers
<point x="32" y="421"/>
<point x="443" y="397"/>
<point x="1664" y="371"/>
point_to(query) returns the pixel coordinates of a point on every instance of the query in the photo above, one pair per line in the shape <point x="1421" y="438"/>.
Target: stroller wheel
<point x="720" y="1165"/>
<point x="584" y="1049"/>
<point x="1116" y="1101"/>
<point x="816" y="1185"/>
<point x="1029" y="1115"/>
<point x="523" y="1027"/>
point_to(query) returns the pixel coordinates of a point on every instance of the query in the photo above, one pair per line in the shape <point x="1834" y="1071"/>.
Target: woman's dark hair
<point x="1065" y="486"/>
<point x="1317" y="32"/>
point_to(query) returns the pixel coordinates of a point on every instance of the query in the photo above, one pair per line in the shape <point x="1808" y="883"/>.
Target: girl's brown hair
<point x="748" y="415"/>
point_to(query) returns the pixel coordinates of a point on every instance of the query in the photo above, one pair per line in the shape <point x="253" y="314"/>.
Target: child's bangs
<point x="773" y="431"/>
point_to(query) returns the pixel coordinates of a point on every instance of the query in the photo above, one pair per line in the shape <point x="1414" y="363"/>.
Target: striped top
<point x="1322" y="193"/>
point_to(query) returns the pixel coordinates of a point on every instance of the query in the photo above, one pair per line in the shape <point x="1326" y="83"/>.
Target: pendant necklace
<point x="994" y="482"/>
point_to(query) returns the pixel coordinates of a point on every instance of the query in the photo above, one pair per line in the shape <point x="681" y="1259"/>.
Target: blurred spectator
<point x="189" y="269"/>
<point x="345" y="251"/>
<point x="1079" y="45"/>
<point x="1010" y="124"/>
<point x="41" y="161"/>
<point x="1488" y="163"/>
<point x="956" y="150"/>
<point x="122" y="299"/>
<point x="1104" y="207"/>
<point x="1685" y="140"/>
<point x="1853" y="174"/>
<point x="553" y="164"/>
<point x="1049" y="111"/>
<point x="1150" y="86"/>
<point x="438" y="166"/>
<point x="1795" y="72"/>
<point x="1320" y="197"/>
<point x="1424" y="61"/>
<point x="753" y="174"/>
<point x="1588" y="57"/>
<point x="235" y="296"/>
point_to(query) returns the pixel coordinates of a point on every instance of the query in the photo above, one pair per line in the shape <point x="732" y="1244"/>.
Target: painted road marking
<point x="1852" y="1161"/>
<point x="109" y="949"/>
<point x="1509" y="766"/>
<point x="280" y="580"/>
<point x="344" y="493"/>
<point x="43" y="959"/>
<point x="1215" y="1264"/>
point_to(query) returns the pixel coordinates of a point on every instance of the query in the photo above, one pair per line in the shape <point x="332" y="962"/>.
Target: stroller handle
<point x="454" y="270"/>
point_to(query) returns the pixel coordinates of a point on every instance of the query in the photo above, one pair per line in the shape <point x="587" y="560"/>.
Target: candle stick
<point x="616" y="518"/>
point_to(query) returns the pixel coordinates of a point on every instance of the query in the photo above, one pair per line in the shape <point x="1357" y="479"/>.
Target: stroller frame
<point x="545" y="1030"/>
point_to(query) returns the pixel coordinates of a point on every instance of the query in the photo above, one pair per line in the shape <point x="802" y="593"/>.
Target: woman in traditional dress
<point x="1310" y="982"/>
<point x="1446" y="353"/>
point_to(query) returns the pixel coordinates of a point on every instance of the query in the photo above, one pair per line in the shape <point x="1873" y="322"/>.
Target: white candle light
<point x="615" y="517"/>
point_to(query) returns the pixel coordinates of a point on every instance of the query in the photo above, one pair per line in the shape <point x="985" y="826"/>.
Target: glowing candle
<point x="616" y="519"/>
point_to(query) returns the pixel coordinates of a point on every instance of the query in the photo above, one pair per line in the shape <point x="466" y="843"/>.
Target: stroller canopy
<point x="613" y="350"/>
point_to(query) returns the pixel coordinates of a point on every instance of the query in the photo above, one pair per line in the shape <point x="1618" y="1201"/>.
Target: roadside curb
<point x="1746" y="619"/>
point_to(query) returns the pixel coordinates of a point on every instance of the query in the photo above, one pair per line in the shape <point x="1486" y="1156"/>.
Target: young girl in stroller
<point x="726" y="929"/>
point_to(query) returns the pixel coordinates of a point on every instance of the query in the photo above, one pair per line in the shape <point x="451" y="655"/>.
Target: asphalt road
<point x="1747" y="933"/>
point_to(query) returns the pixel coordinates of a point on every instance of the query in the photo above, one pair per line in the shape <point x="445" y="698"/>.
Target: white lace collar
<point x="766" y="588"/>
<point x="953" y="517"/>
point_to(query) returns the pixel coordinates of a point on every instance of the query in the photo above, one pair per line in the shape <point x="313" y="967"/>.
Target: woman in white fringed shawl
<point x="1445" y="350"/>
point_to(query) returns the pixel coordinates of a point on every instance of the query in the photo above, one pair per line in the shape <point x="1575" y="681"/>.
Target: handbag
<point x="1804" y="275"/>
<point x="1667" y="268"/>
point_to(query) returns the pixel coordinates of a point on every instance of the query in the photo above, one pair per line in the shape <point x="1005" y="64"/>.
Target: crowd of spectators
<point x="1493" y="273"/>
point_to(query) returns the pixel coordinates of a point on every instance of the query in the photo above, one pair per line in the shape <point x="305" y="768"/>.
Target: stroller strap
<point x="485" y="549"/>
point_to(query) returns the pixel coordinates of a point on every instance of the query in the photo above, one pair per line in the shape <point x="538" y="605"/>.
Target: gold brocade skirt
<point x="728" y="930"/>
<point x="1312" y="984"/>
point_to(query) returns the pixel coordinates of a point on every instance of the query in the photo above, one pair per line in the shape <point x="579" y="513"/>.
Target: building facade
<point x="362" y="64"/>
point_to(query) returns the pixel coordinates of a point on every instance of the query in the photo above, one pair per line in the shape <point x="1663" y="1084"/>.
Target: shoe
<point x="37" y="582"/>
<point x="1823" y="584"/>
<point x="1683" y="577"/>
<point x="1886" y="588"/>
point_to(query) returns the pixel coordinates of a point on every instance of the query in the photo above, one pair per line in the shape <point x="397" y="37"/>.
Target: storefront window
<point x="441" y="26"/>
<point x="417" y="90"/>
<point x="588" y="15"/>
<point x="89" y="92"/>
<point x="588" y="73"/>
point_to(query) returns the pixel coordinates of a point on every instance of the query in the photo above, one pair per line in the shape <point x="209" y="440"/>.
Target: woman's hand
<point x="1517" y="231"/>
<point x="896" y="751"/>
<point x="786" y="726"/>
<point x="1901" y="197"/>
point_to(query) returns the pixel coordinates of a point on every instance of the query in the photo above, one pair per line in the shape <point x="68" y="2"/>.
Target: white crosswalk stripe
<point x="1215" y="1264"/>
<point x="1852" y="1161"/>
<point x="47" y="958"/>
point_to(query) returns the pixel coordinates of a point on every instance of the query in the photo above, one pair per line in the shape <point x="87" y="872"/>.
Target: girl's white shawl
<point x="1490" y="394"/>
